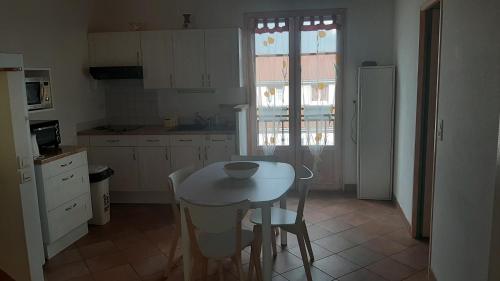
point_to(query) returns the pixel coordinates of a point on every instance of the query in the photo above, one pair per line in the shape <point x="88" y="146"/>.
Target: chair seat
<point x="279" y="217"/>
<point x="222" y="245"/>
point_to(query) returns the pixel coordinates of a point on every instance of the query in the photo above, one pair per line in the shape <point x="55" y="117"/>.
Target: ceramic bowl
<point x="241" y="170"/>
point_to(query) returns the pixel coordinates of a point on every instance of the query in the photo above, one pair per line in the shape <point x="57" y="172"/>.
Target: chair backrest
<point x="270" y="158"/>
<point x="215" y="218"/>
<point x="303" y="179"/>
<point x="176" y="178"/>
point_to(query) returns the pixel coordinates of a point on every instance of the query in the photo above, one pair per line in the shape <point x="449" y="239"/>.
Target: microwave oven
<point x="46" y="132"/>
<point x="38" y="93"/>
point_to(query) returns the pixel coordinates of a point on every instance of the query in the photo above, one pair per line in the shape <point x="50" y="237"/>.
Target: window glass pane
<point x="272" y="88"/>
<point x="318" y="81"/>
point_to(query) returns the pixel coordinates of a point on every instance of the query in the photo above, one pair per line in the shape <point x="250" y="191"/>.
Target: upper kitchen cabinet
<point x="189" y="59"/>
<point x="115" y="49"/>
<point x="223" y="58"/>
<point x="157" y="59"/>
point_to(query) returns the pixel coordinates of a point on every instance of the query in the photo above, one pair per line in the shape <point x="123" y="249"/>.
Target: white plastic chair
<point x="215" y="233"/>
<point x="174" y="181"/>
<point x="291" y="221"/>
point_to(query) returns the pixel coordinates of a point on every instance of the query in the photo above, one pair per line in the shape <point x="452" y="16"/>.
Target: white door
<point x="184" y="156"/>
<point x="154" y="167"/>
<point x="123" y="161"/>
<point x="157" y="59"/>
<point x="115" y="49"/>
<point x="222" y="53"/>
<point x="189" y="59"/>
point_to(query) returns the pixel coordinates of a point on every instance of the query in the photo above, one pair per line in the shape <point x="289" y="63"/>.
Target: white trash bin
<point x="99" y="189"/>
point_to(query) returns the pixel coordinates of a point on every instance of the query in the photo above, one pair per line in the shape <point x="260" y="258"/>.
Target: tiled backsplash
<point x="128" y="103"/>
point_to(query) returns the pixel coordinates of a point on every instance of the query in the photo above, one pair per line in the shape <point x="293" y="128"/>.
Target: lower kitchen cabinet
<point x="184" y="156"/>
<point x="154" y="167"/>
<point x="123" y="161"/>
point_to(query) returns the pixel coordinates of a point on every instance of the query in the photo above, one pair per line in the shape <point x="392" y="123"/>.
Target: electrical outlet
<point x="440" y="130"/>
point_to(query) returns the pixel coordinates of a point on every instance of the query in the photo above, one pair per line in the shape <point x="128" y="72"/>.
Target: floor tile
<point x="318" y="251"/>
<point x="67" y="272"/>
<point x="299" y="274"/>
<point x="420" y="276"/>
<point x="317" y="232"/>
<point x="361" y="256"/>
<point x="361" y="275"/>
<point x="358" y="235"/>
<point x="391" y="270"/>
<point x="140" y="251"/>
<point x="119" y="273"/>
<point x="384" y="246"/>
<point x="104" y="262"/>
<point x="334" y="225"/>
<point x="87" y="277"/>
<point x="149" y="266"/>
<point x="416" y="257"/>
<point x="286" y="261"/>
<point x="96" y="249"/>
<point x="403" y="237"/>
<point x="335" y="266"/>
<point x="334" y="243"/>
<point x="334" y="211"/>
<point x="354" y="219"/>
<point x="64" y="257"/>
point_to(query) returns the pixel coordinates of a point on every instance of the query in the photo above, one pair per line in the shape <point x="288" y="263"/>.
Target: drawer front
<point x="67" y="217"/>
<point x="64" y="164"/>
<point x="153" y="140"/>
<point x="219" y="138"/>
<point x="113" y="140"/>
<point x="65" y="187"/>
<point x="183" y="140"/>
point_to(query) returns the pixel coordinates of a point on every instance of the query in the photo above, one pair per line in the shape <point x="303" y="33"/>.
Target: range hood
<point x="116" y="72"/>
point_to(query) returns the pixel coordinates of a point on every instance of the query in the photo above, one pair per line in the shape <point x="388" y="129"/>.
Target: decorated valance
<point x="271" y="25"/>
<point x="313" y="23"/>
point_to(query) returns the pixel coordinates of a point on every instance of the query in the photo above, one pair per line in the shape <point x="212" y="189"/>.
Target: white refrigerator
<point x="375" y="132"/>
<point x="21" y="243"/>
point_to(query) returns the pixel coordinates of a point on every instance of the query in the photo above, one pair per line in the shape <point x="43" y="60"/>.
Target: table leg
<point x="186" y="251"/>
<point x="266" y="243"/>
<point x="283" y="232"/>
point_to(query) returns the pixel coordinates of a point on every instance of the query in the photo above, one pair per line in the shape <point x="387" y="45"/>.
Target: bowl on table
<point x="241" y="170"/>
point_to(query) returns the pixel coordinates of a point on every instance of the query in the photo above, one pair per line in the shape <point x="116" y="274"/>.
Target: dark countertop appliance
<point x="47" y="133"/>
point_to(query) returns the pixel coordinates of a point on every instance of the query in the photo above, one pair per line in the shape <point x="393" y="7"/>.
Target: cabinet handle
<point x="152" y="140"/>
<point x="112" y="141"/>
<point x="171" y="81"/>
<point x="218" y="140"/>
<point x="138" y="58"/>
<point x="166" y="153"/>
<point x="206" y="153"/>
<point x="133" y="155"/>
<point x="67" y="164"/>
<point x="70" y="207"/>
<point x="70" y="177"/>
<point x="185" y="140"/>
<point x="199" y="152"/>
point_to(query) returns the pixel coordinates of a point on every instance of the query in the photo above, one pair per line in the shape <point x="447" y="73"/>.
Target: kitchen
<point x="140" y="94"/>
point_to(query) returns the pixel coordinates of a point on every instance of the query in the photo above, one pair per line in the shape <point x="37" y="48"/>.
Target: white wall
<point x="406" y="26"/>
<point x="369" y="30"/>
<point x="469" y="105"/>
<point x="53" y="34"/>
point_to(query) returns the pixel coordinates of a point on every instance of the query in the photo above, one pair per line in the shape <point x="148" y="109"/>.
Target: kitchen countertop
<point x="61" y="152"/>
<point x="156" y="130"/>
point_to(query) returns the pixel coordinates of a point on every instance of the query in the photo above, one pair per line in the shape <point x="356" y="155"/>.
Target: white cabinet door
<point x="222" y="56"/>
<point x="189" y="59"/>
<point x="123" y="161"/>
<point x="216" y="152"/>
<point x="157" y="58"/>
<point x="115" y="49"/>
<point x="154" y="167"/>
<point x="184" y="156"/>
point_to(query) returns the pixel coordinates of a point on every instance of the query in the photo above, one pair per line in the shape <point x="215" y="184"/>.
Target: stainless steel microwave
<point x="38" y="93"/>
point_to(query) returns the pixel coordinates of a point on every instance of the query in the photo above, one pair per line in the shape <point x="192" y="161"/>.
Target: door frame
<point x="420" y="138"/>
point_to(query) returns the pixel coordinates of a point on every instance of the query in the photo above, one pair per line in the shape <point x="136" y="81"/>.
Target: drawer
<point x="219" y="138"/>
<point x="65" y="164"/>
<point x="113" y="140"/>
<point x="67" y="217"/>
<point x="153" y="140"/>
<point x="183" y="140"/>
<point x="66" y="186"/>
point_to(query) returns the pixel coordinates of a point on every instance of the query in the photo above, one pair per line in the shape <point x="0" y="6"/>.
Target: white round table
<point x="211" y="185"/>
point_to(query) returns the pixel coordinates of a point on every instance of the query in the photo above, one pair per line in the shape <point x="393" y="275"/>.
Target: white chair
<point x="270" y="158"/>
<point x="292" y="222"/>
<point x="215" y="233"/>
<point x="174" y="181"/>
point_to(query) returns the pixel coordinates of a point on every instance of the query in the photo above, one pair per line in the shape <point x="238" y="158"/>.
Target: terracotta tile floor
<point x="353" y="240"/>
